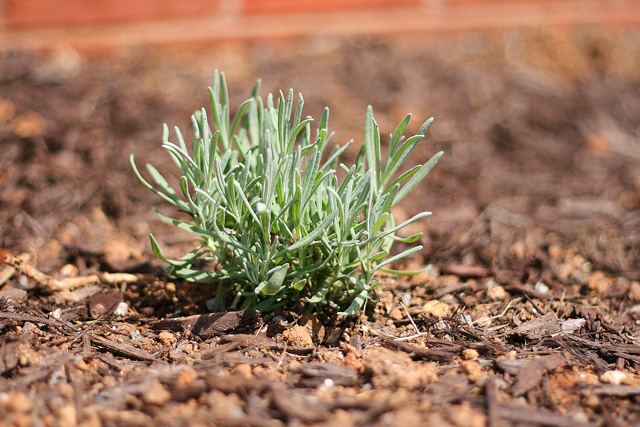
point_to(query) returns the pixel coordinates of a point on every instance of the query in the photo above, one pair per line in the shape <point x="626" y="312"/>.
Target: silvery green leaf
<point x="395" y="258"/>
<point x="417" y="177"/>
<point x="356" y="304"/>
<point x="259" y="196"/>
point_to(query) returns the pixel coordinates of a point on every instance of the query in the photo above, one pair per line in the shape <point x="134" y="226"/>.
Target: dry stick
<point x="380" y="333"/>
<point x="54" y="285"/>
<point x="410" y="318"/>
<point x="477" y="322"/>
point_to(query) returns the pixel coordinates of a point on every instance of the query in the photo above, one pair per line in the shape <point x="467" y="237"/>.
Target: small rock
<point x="519" y="250"/>
<point x="497" y="293"/>
<point x="82" y="365"/>
<point x="156" y="394"/>
<point x="615" y="377"/>
<point x="352" y="361"/>
<point x="56" y="314"/>
<point x="599" y="282"/>
<point x="298" y="336"/>
<point x="244" y="370"/>
<point x="67" y="415"/>
<point x="188" y="348"/>
<point x="598" y="143"/>
<point x="18" y="402"/>
<point x="186" y="377"/>
<point x="69" y="270"/>
<point x="27" y="356"/>
<point x="392" y="370"/>
<point x="591" y="400"/>
<point x="121" y="309"/>
<point x="7" y="110"/>
<point x="396" y="314"/>
<point x="167" y="338"/>
<point x="634" y="291"/>
<point x="436" y="308"/>
<point x="541" y="287"/>
<point x="470" y="354"/>
<point x="465" y="415"/>
<point x="28" y="125"/>
<point x="66" y="390"/>
<point x="472" y="369"/>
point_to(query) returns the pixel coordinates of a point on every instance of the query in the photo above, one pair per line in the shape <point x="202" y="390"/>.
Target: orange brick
<point x="30" y="13"/>
<point x="255" y="7"/>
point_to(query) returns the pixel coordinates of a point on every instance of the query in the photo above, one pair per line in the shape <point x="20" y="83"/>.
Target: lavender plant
<point x="274" y="223"/>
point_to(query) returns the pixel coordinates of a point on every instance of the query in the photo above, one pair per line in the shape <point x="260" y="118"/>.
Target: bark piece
<point x="531" y="375"/>
<point x="493" y="403"/>
<point x="538" y="328"/>
<point x="8" y="357"/>
<point x="525" y="416"/>
<point x="297" y="407"/>
<point x="209" y="325"/>
<point x="121" y="348"/>
<point x="103" y="304"/>
<point x="315" y="373"/>
<point x="419" y="353"/>
<point x="616" y="390"/>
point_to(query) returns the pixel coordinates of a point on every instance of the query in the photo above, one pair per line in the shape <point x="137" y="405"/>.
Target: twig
<point x="284" y="353"/>
<point x="410" y="318"/>
<point x="386" y="335"/>
<point x="418" y="352"/>
<point x="54" y="285"/>
<point x="497" y="316"/>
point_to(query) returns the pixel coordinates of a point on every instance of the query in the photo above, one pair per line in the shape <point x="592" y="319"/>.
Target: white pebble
<point x="121" y="309"/>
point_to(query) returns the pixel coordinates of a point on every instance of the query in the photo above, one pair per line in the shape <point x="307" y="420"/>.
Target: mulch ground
<point x="526" y="309"/>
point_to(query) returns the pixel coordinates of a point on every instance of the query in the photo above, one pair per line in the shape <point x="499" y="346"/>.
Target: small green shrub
<point x="274" y="224"/>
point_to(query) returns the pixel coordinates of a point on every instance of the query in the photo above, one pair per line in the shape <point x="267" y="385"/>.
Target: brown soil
<point x="527" y="309"/>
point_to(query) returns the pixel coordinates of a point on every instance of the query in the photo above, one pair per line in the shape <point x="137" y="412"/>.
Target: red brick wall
<point x="110" y="23"/>
<point x="30" y="13"/>
<point x="50" y="13"/>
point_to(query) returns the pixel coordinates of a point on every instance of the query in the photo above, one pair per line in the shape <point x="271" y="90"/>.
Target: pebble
<point x="15" y="401"/>
<point x="541" y="287"/>
<point x="470" y="354"/>
<point x="167" y="338"/>
<point x="156" y="394"/>
<point x="7" y="110"/>
<point x="599" y="282"/>
<point x="615" y="377"/>
<point x="67" y="415"/>
<point x="472" y="369"/>
<point x="121" y="309"/>
<point x="82" y="365"/>
<point x="298" y="336"/>
<point x="497" y="293"/>
<point x="244" y="370"/>
<point x="28" y="125"/>
<point x="186" y="377"/>
<point x="634" y="291"/>
<point x="436" y="308"/>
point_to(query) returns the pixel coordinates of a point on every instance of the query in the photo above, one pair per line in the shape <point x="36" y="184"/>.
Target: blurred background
<point x="536" y="105"/>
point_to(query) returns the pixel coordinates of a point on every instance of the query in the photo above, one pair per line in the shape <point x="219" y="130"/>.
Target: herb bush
<point x="274" y="223"/>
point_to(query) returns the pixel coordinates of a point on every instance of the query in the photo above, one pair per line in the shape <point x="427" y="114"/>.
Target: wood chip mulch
<point x="525" y="305"/>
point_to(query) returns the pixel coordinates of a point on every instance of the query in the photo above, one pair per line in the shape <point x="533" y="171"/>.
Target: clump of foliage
<point x="274" y="223"/>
